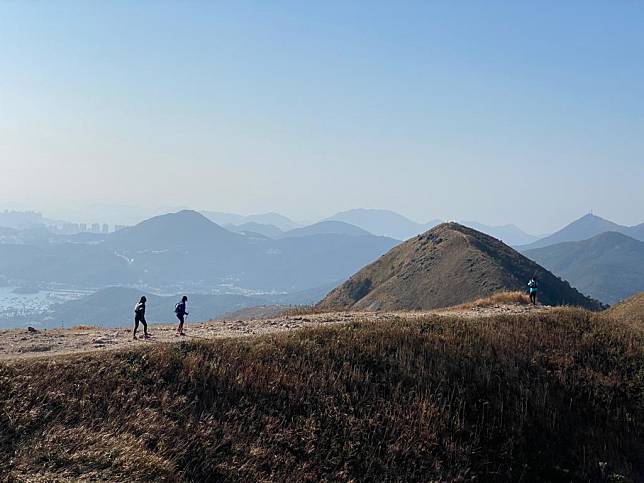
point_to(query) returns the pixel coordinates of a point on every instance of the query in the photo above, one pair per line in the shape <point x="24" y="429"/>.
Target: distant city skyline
<point x="497" y="112"/>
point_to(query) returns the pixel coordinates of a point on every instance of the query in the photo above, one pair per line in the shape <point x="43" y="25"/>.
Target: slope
<point x="630" y="311"/>
<point x="556" y="396"/>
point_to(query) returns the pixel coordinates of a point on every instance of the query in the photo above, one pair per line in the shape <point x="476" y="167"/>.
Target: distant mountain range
<point x="448" y="265"/>
<point x="584" y="228"/>
<point x="280" y="221"/>
<point x="264" y="252"/>
<point x="328" y="227"/>
<point x="253" y="228"/>
<point x="509" y="234"/>
<point x="185" y="249"/>
<point x="608" y="266"/>
<point x="383" y="222"/>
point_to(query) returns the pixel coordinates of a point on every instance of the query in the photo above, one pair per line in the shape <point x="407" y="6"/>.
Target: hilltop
<point x="552" y="395"/>
<point x="608" y="267"/>
<point x="448" y="265"/>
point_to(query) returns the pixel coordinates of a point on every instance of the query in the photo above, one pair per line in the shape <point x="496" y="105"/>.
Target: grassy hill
<point x="629" y="311"/>
<point x="609" y="266"/>
<point x="555" y="396"/>
<point x="448" y="265"/>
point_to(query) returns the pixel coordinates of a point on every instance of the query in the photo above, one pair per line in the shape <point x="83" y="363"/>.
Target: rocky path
<point x="21" y="343"/>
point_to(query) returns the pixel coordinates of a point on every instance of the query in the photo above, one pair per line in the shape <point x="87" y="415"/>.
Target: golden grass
<point x="499" y="298"/>
<point x="303" y="310"/>
<point x="549" y="396"/>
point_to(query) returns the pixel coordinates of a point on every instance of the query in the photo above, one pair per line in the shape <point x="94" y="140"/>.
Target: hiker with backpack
<point x="180" y="312"/>
<point x="533" y="287"/>
<point x="139" y="316"/>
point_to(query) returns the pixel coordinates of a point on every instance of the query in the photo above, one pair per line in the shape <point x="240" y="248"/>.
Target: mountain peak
<point x="582" y="228"/>
<point x="447" y="265"/>
<point x="183" y="228"/>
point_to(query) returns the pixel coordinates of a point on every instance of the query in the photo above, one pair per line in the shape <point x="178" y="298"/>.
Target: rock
<point x="32" y="330"/>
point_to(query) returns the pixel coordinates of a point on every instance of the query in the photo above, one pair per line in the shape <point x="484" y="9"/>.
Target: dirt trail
<point x="16" y="344"/>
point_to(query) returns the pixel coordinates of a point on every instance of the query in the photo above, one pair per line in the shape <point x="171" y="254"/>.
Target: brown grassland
<point x="550" y="396"/>
<point x="499" y="298"/>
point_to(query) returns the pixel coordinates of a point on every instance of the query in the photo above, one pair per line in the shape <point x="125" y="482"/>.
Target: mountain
<point x="251" y="227"/>
<point x="327" y="228"/>
<point x="185" y="251"/>
<point x="297" y="263"/>
<point x="448" y="265"/>
<point x="608" y="267"/>
<point x="282" y="222"/>
<point x="174" y="230"/>
<point x="510" y="234"/>
<point x="584" y="228"/>
<point x="383" y="222"/>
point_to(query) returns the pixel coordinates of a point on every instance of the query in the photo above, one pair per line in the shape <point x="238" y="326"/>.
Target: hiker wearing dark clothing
<point x="533" y="287"/>
<point x="139" y="316"/>
<point x="180" y="311"/>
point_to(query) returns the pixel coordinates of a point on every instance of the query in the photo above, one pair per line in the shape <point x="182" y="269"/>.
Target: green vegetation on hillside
<point x="556" y="395"/>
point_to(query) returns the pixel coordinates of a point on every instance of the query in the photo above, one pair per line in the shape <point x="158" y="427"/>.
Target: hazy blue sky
<point x="524" y="112"/>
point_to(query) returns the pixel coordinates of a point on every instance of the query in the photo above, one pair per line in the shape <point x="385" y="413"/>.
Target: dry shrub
<point x="549" y="396"/>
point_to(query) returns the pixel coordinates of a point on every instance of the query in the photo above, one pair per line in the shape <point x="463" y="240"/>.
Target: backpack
<point x="179" y="308"/>
<point x="139" y="308"/>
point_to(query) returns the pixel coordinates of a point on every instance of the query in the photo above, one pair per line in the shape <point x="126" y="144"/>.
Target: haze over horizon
<point x="499" y="113"/>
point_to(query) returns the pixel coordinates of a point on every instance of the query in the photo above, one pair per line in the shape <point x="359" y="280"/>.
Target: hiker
<point x="180" y="311"/>
<point x="139" y="316"/>
<point x="533" y="286"/>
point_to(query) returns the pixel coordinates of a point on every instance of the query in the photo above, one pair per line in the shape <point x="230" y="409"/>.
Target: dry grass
<point x="303" y="310"/>
<point x="629" y="311"/>
<point x="500" y="298"/>
<point x="553" y="396"/>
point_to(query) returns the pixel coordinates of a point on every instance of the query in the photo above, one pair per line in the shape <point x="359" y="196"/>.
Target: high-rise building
<point x="105" y="228"/>
<point x="96" y="228"/>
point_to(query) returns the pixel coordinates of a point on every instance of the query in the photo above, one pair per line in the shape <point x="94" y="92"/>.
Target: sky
<point x="501" y="112"/>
